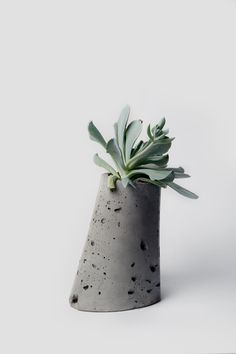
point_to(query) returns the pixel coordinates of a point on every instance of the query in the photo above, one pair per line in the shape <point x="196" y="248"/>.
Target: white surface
<point x="64" y="63"/>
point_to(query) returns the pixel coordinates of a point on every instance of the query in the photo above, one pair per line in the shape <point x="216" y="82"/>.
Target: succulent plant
<point x="144" y="161"/>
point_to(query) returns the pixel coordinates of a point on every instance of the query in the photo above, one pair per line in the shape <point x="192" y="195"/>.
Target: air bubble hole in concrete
<point x="74" y="299"/>
<point x="143" y="246"/>
<point x="117" y="209"/>
<point x="152" y="268"/>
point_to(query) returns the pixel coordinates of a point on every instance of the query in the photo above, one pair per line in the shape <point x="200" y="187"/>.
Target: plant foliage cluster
<point x="144" y="161"/>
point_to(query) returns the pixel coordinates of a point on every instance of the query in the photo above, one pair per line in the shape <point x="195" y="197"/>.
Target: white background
<point x="64" y="63"/>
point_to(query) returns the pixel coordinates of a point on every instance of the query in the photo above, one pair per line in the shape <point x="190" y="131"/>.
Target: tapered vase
<point x="120" y="265"/>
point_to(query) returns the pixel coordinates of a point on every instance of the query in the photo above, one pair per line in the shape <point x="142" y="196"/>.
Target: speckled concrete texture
<point x="120" y="265"/>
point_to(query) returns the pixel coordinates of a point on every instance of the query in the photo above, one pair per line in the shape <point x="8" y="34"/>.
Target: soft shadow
<point x="174" y="282"/>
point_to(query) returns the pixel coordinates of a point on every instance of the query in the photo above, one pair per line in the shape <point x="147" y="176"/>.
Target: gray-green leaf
<point x="181" y="175"/>
<point x="175" y="169"/>
<point x="116" y="131"/>
<point x="163" y="134"/>
<point x="95" y="135"/>
<point x="114" y="150"/>
<point x="126" y="181"/>
<point x="132" y="133"/>
<point x="121" y="127"/>
<point x="182" y="190"/>
<point x="149" y="132"/>
<point x="152" y="174"/>
<point x="157" y="148"/>
<point x="137" y="148"/>
<point x="101" y="163"/>
<point x="156" y="183"/>
<point x="161" y="124"/>
<point x="157" y="160"/>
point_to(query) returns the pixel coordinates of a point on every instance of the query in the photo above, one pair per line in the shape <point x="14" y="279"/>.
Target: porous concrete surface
<point x="120" y="265"/>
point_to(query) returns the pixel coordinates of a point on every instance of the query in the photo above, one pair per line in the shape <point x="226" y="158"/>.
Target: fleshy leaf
<point x="149" y="132"/>
<point x="155" y="130"/>
<point x="95" y="135"/>
<point x="116" y="131"/>
<point x="132" y="133"/>
<point x="157" y="160"/>
<point x="114" y="150"/>
<point x="156" y="183"/>
<point x="101" y="163"/>
<point x="175" y="169"/>
<point x="126" y="181"/>
<point x="152" y="174"/>
<point x="157" y="148"/>
<point x="181" y="175"/>
<point x="169" y="178"/>
<point x="161" y="124"/>
<point x="162" y="134"/>
<point x="137" y="148"/>
<point x="121" y="127"/>
<point x="182" y="190"/>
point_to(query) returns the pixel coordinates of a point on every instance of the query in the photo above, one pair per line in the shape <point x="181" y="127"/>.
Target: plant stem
<point x="111" y="181"/>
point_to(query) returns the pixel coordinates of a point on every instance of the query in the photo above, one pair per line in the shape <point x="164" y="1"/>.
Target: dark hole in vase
<point x="149" y="290"/>
<point x="130" y="292"/>
<point x="133" y="278"/>
<point x="132" y="265"/>
<point x="117" y="209"/>
<point x="74" y="299"/>
<point x="85" y="287"/>
<point x="152" y="268"/>
<point x="92" y="243"/>
<point x="143" y="246"/>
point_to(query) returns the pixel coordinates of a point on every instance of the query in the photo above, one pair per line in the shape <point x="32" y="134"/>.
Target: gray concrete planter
<point x="120" y="265"/>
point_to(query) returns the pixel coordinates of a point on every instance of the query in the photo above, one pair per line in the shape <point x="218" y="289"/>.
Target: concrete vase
<point x="120" y="264"/>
